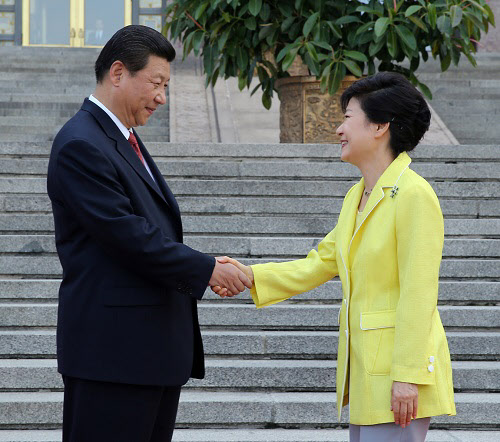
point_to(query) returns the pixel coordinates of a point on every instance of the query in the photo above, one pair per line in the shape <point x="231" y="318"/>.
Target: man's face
<point x="142" y="93"/>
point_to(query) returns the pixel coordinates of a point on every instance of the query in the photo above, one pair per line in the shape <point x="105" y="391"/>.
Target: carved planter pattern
<point x="306" y="114"/>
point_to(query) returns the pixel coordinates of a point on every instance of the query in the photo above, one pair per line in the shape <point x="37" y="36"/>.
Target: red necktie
<point x="135" y="145"/>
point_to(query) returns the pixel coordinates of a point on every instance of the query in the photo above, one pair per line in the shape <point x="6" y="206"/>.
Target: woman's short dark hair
<point x="132" y="45"/>
<point x="388" y="97"/>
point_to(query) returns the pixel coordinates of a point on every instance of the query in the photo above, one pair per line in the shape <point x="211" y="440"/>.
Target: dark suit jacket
<point x="127" y="301"/>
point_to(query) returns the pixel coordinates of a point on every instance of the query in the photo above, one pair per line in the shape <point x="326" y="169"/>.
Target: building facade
<point x="73" y="23"/>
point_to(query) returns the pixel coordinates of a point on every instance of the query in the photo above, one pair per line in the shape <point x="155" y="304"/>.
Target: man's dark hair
<point x="132" y="45"/>
<point x="388" y="97"/>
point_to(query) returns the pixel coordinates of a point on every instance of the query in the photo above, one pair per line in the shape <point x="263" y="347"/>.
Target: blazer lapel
<point x="388" y="179"/>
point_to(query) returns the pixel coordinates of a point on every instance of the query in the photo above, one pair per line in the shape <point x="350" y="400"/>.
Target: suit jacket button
<point x="430" y="368"/>
<point x="431" y="359"/>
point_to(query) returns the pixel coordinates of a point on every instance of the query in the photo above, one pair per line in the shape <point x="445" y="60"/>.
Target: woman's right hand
<point x="247" y="270"/>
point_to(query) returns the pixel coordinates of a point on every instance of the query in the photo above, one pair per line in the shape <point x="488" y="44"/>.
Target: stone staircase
<point x="466" y="98"/>
<point x="270" y="373"/>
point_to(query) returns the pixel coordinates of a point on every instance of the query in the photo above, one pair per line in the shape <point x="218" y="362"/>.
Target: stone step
<point x="49" y="137"/>
<point x="48" y="131"/>
<point x="263" y="152"/>
<point x="269" y="169"/>
<point x="224" y="374"/>
<point x="461" y="292"/>
<point x="268" y="188"/>
<point x="464" y="345"/>
<point x="189" y="205"/>
<point x="242" y="316"/>
<point x="276" y="409"/>
<point x="256" y="225"/>
<point x="253" y="246"/>
<point x="48" y="121"/>
<point x="49" y="266"/>
<point x="257" y="435"/>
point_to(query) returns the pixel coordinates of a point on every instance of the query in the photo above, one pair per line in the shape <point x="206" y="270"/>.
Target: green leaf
<point x="266" y="100"/>
<point x="283" y="53"/>
<point x="221" y="42"/>
<point x="407" y="36"/>
<point x="392" y="44"/>
<point x="368" y="10"/>
<point x="209" y="56"/>
<point x="456" y="15"/>
<point x="241" y="58"/>
<point x="348" y="19"/>
<point x="445" y="62"/>
<point x="200" y="10"/>
<point x="425" y="90"/>
<point x="335" y="29"/>
<point x="289" y="59"/>
<point x="432" y="15"/>
<point x="265" y="12"/>
<point x="364" y="28"/>
<point x="444" y="24"/>
<point x="353" y="67"/>
<point x="312" y="51"/>
<point x="418" y="22"/>
<point x="250" y="23"/>
<point x="375" y="47"/>
<point x="242" y="82"/>
<point x="287" y="23"/>
<point x="197" y="40"/>
<point x="491" y="16"/>
<point x="412" y="9"/>
<point x="381" y="26"/>
<point x="322" y="44"/>
<point x="309" y="24"/>
<point x="265" y="31"/>
<point x="355" y="55"/>
<point x="311" y="64"/>
<point x="254" y="6"/>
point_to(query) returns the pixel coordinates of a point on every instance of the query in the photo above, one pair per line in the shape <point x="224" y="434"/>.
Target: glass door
<point x="73" y="23"/>
<point x="102" y="19"/>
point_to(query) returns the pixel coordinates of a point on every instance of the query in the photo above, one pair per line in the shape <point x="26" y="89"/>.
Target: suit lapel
<point x="160" y="182"/>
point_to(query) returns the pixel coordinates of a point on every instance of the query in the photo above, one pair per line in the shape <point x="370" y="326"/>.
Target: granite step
<point x="450" y="292"/>
<point x="253" y="246"/>
<point x="242" y="316"/>
<point x="259" y="435"/>
<point x="234" y="205"/>
<point x="304" y="224"/>
<point x="247" y="375"/>
<point x="264" y="152"/>
<point x="257" y="344"/>
<point x="276" y="409"/>
<point x="37" y="265"/>
<point x="269" y="169"/>
<point x="269" y="188"/>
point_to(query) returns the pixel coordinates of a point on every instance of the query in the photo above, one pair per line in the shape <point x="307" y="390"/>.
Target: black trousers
<point x="108" y="412"/>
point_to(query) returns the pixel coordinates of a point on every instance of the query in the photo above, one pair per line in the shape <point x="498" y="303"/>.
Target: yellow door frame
<point x="76" y="24"/>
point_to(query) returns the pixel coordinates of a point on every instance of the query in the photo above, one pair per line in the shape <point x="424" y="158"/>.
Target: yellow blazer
<point x="389" y="325"/>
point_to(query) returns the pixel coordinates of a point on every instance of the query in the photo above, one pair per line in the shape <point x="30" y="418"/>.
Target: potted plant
<point x="332" y="39"/>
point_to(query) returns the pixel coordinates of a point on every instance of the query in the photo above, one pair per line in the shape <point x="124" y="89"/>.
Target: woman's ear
<point x="381" y="129"/>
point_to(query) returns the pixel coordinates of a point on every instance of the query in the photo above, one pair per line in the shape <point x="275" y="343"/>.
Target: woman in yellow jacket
<point x="393" y="358"/>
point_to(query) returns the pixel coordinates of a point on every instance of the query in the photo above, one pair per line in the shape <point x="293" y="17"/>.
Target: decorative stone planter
<point x="306" y="114"/>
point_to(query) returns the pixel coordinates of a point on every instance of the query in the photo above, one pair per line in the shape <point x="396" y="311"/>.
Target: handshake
<point x="230" y="277"/>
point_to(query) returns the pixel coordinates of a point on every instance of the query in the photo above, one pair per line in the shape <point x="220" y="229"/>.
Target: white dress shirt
<point x="126" y="132"/>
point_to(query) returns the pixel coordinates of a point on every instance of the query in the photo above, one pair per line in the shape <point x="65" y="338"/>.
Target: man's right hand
<point x="228" y="276"/>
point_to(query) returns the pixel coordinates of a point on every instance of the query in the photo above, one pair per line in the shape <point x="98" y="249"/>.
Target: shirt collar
<point x="126" y="132"/>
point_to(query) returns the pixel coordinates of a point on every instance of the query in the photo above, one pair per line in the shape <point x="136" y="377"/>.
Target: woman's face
<point x="357" y="135"/>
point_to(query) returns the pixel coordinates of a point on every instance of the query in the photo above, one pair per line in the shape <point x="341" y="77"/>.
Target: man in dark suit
<point x="128" y="336"/>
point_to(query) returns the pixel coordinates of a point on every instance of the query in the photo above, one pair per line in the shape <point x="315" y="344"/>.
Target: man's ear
<point x="116" y="72"/>
<point x="381" y="129"/>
